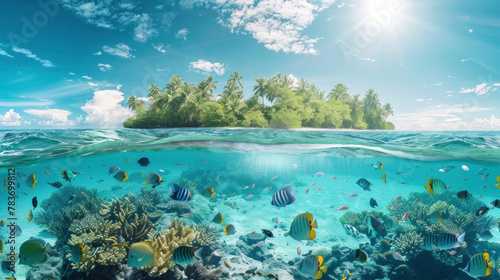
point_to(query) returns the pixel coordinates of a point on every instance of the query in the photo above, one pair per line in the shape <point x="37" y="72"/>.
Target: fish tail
<point x="324" y="268"/>
<point x="429" y="189"/>
<point x="314" y="225"/>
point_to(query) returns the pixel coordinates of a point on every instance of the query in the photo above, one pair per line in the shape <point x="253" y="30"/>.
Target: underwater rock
<point x="197" y="271"/>
<point x="253" y="239"/>
<point x="47" y="270"/>
<point x="174" y="206"/>
<point x="215" y="257"/>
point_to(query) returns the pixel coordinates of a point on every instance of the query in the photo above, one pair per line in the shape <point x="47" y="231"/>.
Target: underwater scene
<point x="249" y="204"/>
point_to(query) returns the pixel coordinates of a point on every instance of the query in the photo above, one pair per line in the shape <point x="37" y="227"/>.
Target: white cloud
<point x="51" y="117"/>
<point x="104" y="67"/>
<point x="161" y="47"/>
<point x="466" y="59"/>
<point x="118" y="87"/>
<point x="98" y="53"/>
<point x="478" y="89"/>
<point x="4" y="53"/>
<point x="104" y="110"/>
<point x="471" y="30"/>
<point x="87" y="77"/>
<point x="145" y="99"/>
<point x="92" y="84"/>
<point x="442" y="117"/>
<point x="182" y="34"/>
<point x="10" y="118"/>
<point x="71" y="73"/>
<point x="204" y="67"/>
<point x="29" y="54"/>
<point x="496" y="84"/>
<point x="419" y="100"/>
<point x="452" y="77"/>
<point x="120" y="50"/>
<point x="449" y="91"/>
<point x="27" y="122"/>
<point x="144" y="30"/>
<point x="438" y="84"/>
<point x="341" y="5"/>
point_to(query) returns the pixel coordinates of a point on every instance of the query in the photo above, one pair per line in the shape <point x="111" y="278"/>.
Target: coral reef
<point x="357" y="220"/>
<point x="447" y="258"/>
<point x="206" y="234"/>
<point x="409" y="244"/>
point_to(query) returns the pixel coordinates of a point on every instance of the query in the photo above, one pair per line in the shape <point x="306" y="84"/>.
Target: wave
<point x="29" y="147"/>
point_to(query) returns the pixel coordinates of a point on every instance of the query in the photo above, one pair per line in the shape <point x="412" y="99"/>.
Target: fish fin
<point x="225" y="229"/>
<point x="380" y="167"/>
<point x="221" y="219"/>
<point x="314" y="225"/>
<point x="461" y="238"/>
<point x="212" y="195"/>
<point x="319" y="274"/>
<point x="440" y="218"/>
<point x="146" y="178"/>
<point x="286" y="234"/>
<point x="197" y="253"/>
<point x="119" y="245"/>
<point x="429" y="189"/>
<point x="429" y="181"/>
<point x="320" y="260"/>
<point x="498" y="178"/>
<point x="124" y="177"/>
<point x="324" y="268"/>
<point x="313" y="234"/>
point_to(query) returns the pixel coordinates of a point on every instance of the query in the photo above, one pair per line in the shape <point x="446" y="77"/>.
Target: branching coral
<point x="447" y="258"/>
<point x="206" y="234"/>
<point x="112" y="210"/>
<point x="357" y="220"/>
<point x="409" y="244"/>
<point x="165" y="243"/>
<point x="136" y="230"/>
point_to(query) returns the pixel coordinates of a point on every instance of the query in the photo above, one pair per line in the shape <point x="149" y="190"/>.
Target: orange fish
<point x="298" y="251"/>
<point x="227" y="265"/>
<point x="250" y="196"/>
<point x="234" y="194"/>
<point x="76" y="221"/>
<point x="397" y="198"/>
<point x="307" y="190"/>
<point x="343" y="208"/>
<point x="345" y="180"/>
<point x="420" y="222"/>
<point x="353" y="195"/>
<point x="251" y="232"/>
<point x="333" y="178"/>
<point x="193" y="185"/>
<point x="253" y="186"/>
<point x="260" y="243"/>
<point x="396" y="220"/>
<point x="204" y="160"/>
<point x="396" y="206"/>
<point x="312" y="184"/>
<point x="86" y="195"/>
<point x="318" y="188"/>
<point x="246" y="187"/>
<point x="187" y="214"/>
<point x="268" y="188"/>
<point x="276" y="220"/>
<point x="417" y="200"/>
<point x="274" y="177"/>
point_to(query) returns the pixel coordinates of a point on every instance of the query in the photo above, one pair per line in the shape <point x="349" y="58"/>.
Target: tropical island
<point x="291" y="103"/>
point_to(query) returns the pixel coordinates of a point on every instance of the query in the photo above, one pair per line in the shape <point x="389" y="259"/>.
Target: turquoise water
<point x="234" y="159"/>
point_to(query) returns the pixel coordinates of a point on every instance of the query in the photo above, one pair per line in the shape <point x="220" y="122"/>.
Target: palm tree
<point x="154" y="91"/>
<point x="356" y="106"/>
<point x="339" y="92"/>
<point x="372" y="108"/>
<point x="132" y="103"/>
<point x="207" y="86"/>
<point x="388" y="110"/>
<point x="260" y="89"/>
<point x="302" y="86"/>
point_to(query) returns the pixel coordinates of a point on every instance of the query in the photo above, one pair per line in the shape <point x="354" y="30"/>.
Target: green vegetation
<point x="293" y="104"/>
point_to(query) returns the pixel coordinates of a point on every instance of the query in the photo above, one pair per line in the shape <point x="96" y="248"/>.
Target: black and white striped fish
<point x="446" y="241"/>
<point x="186" y="254"/>
<point x="113" y="169"/>
<point x="181" y="194"/>
<point x="311" y="267"/>
<point x="302" y="227"/>
<point x="429" y="242"/>
<point x="283" y="197"/>
<point x="479" y="265"/>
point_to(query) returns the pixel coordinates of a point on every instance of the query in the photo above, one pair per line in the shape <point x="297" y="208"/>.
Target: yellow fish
<point x="383" y="176"/>
<point x="2" y="223"/>
<point x="30" y="216"/>
<point x="142" y="254"/>
<point x="127" y="160"/>
<point x="34" y="251"/>
<point x="1" y="246"/>
<point x="77" y="253"/>
<point x="31" y="181"/>
<point x="302" y="227"/>
<point x="5" y="186"/>
<point x="496" y="184"/>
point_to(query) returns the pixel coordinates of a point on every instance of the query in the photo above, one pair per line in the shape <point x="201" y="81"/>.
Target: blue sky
<point x="73" y="63"/>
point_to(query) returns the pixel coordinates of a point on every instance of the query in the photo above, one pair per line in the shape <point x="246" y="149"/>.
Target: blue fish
<point x="181" y="194"/>
<point x="143" y="162"/>
<point x="364" y="184"/>
<point x="283" y="197"/>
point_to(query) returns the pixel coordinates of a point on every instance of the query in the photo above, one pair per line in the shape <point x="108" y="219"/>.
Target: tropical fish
<point x="179" y="193"/>
<point x="484" y="235"/>
<point x="346" y="275"/>
<point x="353" y="195"/>
<point x="302" y="227"/>
<point x="384" y="177"/>
<point x="68" y="175"/>
<point x="307" y="190"/>
<point x="395" y="206"/>
<point x="496" y="203"/>
<point x="153" y="178"/>
<point x="193" y="185"/>
<point x="405" y="216"/>
<point x="258" y="170"/>
<point x="442" y="170"/>
<point x="436" y="217"/>
<point x="360" y="255"/>
<point x="144" y="162"/>
<point x="352" y="231"/>
<point x="30" y="216"/>
<point x="229" y="229"/>
<point x="446" y="241"/>
<point x="298" y="250"/>
<point x="397" y="256"/>
<point x="268" y="188"/>
<point x="311" y="267"/>
<point x="260" y="243"/>
<point x="246" y="188"/>
<point x="127" y="160"/>
<point x="365" y="184"/>
<point x="318" y="188"/>
<point x="187" y="214"/>
<point x="396" y="219"/>
<point x="498" y="182"/>
<point x="218" y="219"/>
<point x="208" y="192"/>
<point x="274" y="177"/>
<point x="85" y="194"/>
<point x="46" y="172"/>
<point x="121" y="176"/>
<point x="318" y="174"/>
<point x="486" y="176"/>
<point x="184" y="255"/>
<point x="378" y="165"/>
<point x="142" y="254"/>
<point x="436" y="186"/>
<point x="161" y="170"/>
<point x="267" y="232"/>
<point x="375" y="227"/>
<point x="204" y="160"/>
<point x="1" y="246"/>
<point x="312" y="184"/>
<point x="417" y="200"/>
<point x="113" y="169"/>
<point x="251" y="233"/>
<point x="34" y="251"/>
<point x="463" y="195"/>
<point x="333" y="178"/>
<point x="77" y="253"/>
<point x="397" y="198"/>
<point x="373" y="203"/>
<point x="31" y="181"/>
<point x="250" y="196"/>
<point x="479" y="265"/>
<point x="343" y="208"/>
<point x="34" y="202"/>
<point x="227" y="265"/>
<point x="283" y="197"/>
<point x="482" y="210"/>
<point x="465" y="168"/>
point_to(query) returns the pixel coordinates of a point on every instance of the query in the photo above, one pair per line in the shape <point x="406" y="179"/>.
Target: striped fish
<point x="114" y="169"/>
<point x="77" y="253"/>
<point x="302" y="227"/>
<point x="436" y="217"/>
<point x="218" y="219"/>
<point x="446" y="241"/>
<point x="181" y="194"/>
<point x="186" y="254"/>
<point x="365" y="184"/>
<point x="479" y="265"/>
<point x="229" y="230"/>
<point x="208" y="192"/>
<point x="153" y="178"/>
<point x="283" y="197"/>
<point x="429" y="242"/>
<point x="310" y="266"/>
<point x="435" y="186"/>
<point x="360" y="255"/>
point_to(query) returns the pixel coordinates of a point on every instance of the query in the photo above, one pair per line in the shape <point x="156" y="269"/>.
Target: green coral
<point x="166" y="242"/>
<point x="409" y="244"/>
<point x="206" y="234"/>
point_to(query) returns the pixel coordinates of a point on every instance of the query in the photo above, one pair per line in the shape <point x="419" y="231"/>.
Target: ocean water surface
<point x="245" y="167"/>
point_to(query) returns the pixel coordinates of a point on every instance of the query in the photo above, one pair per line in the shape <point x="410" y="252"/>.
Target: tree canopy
<point x="292" y="104"/>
